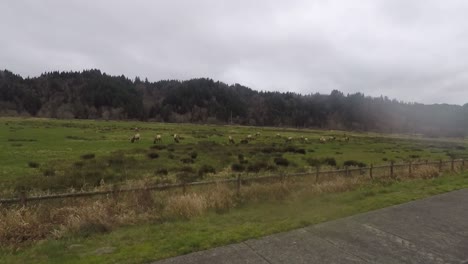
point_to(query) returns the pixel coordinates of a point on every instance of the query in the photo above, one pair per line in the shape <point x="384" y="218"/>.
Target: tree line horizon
<point x="92" y="94"/>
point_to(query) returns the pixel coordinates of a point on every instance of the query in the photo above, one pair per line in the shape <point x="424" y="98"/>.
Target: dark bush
<point x="329" y="161"/>
<point x="187" y="169"/>
<point x="257" y="166"/>
<point x="413" y="156"/>
<point x="194" y="155"/>
<point x="461" y="147"/>
<point x="300" y="151"/>
<point x="48" y="172"/>
<point x="244" y="141"/>
<point x="88" y="156"/>
<point x="293" y="149"/>
<point x="186" y="177"/>
<point x="162" y="171"/>
<point x="314" y="162"/>
<point x="153" y="155"/>
<point x="354" y="163"/>
<point x="269" y="150"/>
<point x="237" y="167"/>
<point x="33" y="164"/>
<point x="187" y="160"/>
<point x="280" y="161"/>
<point x="241" y="158"/>
<point x="205" y="169"/>
<point x="158" y="147"/>
<point x="78" y="164"/>
<point x="91" y="228"/>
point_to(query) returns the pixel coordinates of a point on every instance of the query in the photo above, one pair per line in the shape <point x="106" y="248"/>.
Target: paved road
<point x="432" y="230"/>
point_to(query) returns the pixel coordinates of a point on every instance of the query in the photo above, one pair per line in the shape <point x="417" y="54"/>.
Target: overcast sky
<point x="406" y="49"/>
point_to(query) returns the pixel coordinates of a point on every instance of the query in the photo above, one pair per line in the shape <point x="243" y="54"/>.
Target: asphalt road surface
<point x="431" y="230"/>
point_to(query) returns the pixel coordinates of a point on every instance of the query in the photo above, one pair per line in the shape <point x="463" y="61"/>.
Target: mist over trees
<point x="91" y="94"/>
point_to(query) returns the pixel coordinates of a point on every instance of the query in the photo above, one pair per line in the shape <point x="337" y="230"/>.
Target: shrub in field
<point x="354" y="163"/>
<point x="280" y="161"/>
<point x="78" y="164"/>
<point x="153" y="155"/>
<point x="237" y="167"/>
<point x="329" y="161"/>
<point x="269" y="150"/>
<point x="257" y="166"/>
<point x="187" y="160"/>
<point x="240" y="157"/>
<point x="205" y="169"/>
<point x="293" y="149"/>
<point x="194" y="155"/>
<point x="48" y="172"/>
<point x="313" y="162"/>
<point x="33" y="164"/>
<point x="88" y="156"/>
<point x="162" y="171"/>
<point x="158" y="147"/>
<point x="186" y="177"/>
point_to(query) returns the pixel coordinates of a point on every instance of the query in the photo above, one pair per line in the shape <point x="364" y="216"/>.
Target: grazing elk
<point x="135" y="137"/>
<point x="231" y="140"/>
<point x="157" y="139"/>
<point x="176" y="138"/>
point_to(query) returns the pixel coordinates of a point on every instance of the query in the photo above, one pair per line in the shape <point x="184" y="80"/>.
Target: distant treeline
<point x="92" y="94"/>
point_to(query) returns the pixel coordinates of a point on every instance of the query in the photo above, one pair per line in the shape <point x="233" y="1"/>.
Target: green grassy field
<point x="143" y="243"/>
<point x="60" y="154"/>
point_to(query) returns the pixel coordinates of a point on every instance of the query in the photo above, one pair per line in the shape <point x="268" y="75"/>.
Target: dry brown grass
<point x="339" y="184"/>
<point x="271" y="191"/>
<point x="221" y="198"/>
<point x="426" y="172"/>
<point x="84" y="216"/>
<point x="185" y="206"/>
<point x="22" y="225"/>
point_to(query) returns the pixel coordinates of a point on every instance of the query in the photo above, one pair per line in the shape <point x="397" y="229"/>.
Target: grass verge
<point x="143" y="243"/>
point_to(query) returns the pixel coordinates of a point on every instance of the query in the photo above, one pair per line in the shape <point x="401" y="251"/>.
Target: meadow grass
<point x="196" y="223"/>
<point x="61" y="154"/>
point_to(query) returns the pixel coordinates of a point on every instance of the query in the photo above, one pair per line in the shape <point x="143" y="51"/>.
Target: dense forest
<point x="91" y="94"/>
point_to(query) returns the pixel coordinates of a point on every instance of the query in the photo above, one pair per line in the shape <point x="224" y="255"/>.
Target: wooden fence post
<point x="23" y="198"/>
<point x="391" y="168"/>
<point x="463" y="164"/>
<point x="440" y="165"/>
<point x="410" y="169"/>
<point x="184" y="187"/>
<point x="317" y="172"/>
<point x="238" y="184"/>
<point x="347" y="171"/>
<point x="370" y="171"/>
<point x="452" y="165"/>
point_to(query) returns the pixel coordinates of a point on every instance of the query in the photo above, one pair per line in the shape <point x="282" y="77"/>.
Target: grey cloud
<point x="413" y="50"/>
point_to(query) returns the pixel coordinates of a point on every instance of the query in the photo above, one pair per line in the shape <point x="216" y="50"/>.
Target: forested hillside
<point x="92" y="94"/>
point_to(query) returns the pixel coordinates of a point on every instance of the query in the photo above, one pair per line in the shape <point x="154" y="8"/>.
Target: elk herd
<point x="250" y="137"/>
